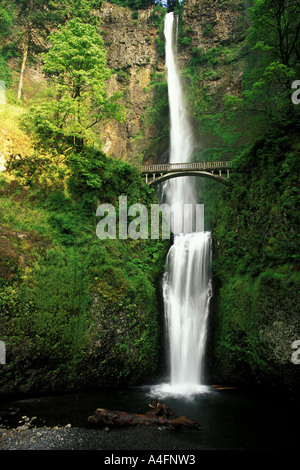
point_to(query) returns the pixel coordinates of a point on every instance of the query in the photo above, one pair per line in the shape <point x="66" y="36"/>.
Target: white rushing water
<point x="177" y="190"/>
<point x="186" y="283"/>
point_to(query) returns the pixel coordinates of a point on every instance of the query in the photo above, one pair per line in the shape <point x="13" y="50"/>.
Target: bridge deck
<point x="192" y="166"/>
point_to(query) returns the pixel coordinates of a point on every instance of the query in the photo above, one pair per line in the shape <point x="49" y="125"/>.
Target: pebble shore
<point x="29" y="437"/>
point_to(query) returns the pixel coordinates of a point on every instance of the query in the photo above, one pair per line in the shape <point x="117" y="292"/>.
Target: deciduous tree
<point x="76" y="64"/>
<point x="35" y="19"/>
<point x="33" y="22"/>
<point x="274" y="39"/>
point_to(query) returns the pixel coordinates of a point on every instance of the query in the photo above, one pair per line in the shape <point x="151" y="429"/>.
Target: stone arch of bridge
<point x="203" y="174"/>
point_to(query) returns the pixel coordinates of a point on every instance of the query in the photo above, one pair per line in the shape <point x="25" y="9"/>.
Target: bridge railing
<point x="167" y="167"/>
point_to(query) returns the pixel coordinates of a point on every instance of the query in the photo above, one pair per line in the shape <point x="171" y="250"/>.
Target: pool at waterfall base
<point x="231" y="418"/>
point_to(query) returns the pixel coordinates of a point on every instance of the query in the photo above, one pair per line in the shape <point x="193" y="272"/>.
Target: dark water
<point x="231" y="419"/>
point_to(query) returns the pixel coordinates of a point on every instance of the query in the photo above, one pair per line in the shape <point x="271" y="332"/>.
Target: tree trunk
<point x="24" y="59"/>
<point x="159" y="415"/>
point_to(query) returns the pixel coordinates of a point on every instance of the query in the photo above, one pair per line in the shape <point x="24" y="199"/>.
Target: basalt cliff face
<point x="130" y="39"/>
<point x="132" y="42"/>
<point x="135" y="51"/>
<point x="132" y="52"/>
<point x="210" y="54"/>
<point x="214" y="22"/>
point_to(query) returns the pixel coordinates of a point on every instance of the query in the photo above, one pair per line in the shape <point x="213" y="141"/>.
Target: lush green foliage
<point x="256" y="259"/>
<point x="76" y="62"/>
<point x="159" y="113"/>
<point x="68" y="9"/>
<point x="269" y="61"/>
<point x="136" y="4"/>
<point x="265" y="214"/>
<point x="77" y="301"/>
<point x="6" y="18"/>
<point x="29" y="23"/>
<point x="6" y="21"/>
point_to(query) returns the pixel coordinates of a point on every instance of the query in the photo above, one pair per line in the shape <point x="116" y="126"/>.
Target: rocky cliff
<point x="132" y="52"/>
<point x="131" y="41"/>
<point x="134" y="43"/>
<point x="214" y="22"/>
<point x="211" y="57"/>
<point x="214" y="28"/>
<point x="211" y="34"/>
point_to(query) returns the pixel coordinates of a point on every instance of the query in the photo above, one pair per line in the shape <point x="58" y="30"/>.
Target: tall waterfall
<point x="186" y="283"/>
<point x="178" y="190"/>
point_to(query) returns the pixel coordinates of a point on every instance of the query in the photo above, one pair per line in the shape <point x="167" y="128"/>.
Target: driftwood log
<point x="159" y="414"/>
